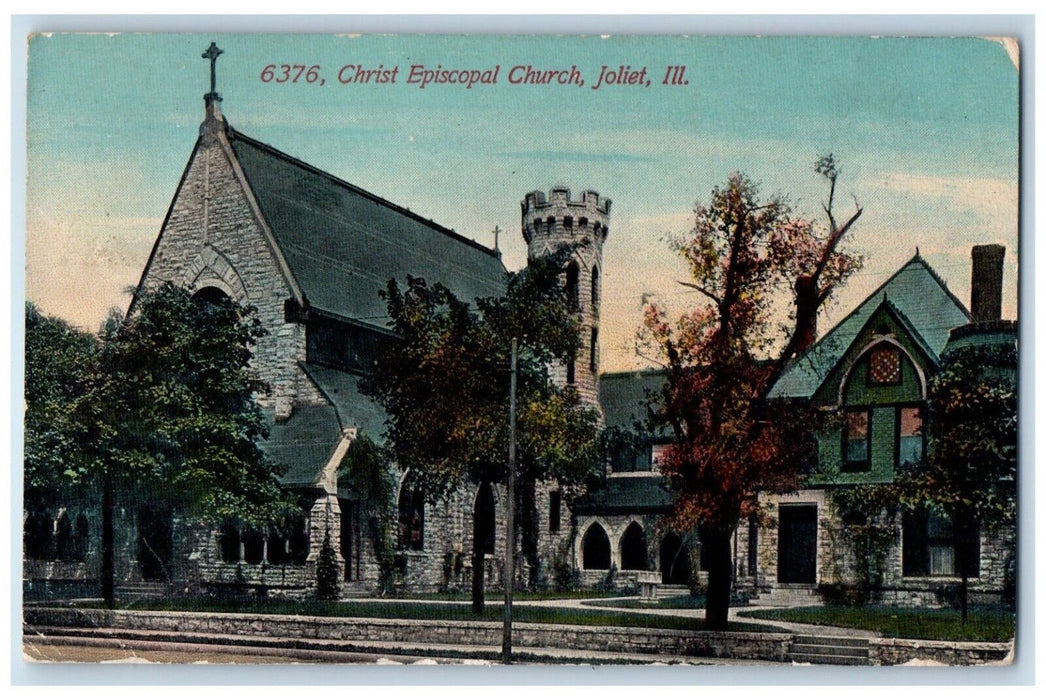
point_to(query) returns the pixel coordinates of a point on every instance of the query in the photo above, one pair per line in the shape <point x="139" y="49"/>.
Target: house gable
<point x="916" y="291"/>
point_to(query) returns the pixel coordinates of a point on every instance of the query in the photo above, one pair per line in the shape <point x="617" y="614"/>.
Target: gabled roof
<point x="343" y="244"/>
<point x="915" y="291"/>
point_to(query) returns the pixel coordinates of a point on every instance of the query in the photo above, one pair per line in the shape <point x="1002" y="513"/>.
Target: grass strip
<point x="985" y="624"/>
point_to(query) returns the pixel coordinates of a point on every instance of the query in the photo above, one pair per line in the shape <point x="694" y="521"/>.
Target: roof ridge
<point x="239" y="135"/>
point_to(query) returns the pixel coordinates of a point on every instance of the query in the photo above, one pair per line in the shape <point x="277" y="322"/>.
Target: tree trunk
<point x="477" y="582"/>
<point x="108" y="573"/>
<point x="716" y="542"/>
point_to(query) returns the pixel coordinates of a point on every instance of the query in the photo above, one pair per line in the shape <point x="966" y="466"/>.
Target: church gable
<point x="214" y="237"/>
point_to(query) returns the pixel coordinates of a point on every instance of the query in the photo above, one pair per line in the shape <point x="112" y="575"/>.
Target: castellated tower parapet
<point x="555" y="221"/>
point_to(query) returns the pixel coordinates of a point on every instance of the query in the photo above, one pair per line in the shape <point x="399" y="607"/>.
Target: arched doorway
<point x="633" y="548"/>
<point x="675" y="560"/>
<point x="483" y="522"/>
<point x="595" y="548"/>
<point x="155" y="543"/>
<point x="411" y="515"/>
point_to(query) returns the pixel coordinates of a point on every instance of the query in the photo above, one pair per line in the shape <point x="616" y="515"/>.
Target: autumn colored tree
<point x="970" y="471"/>
<point x="762" y="275"/>
<point x="445" y="386"/>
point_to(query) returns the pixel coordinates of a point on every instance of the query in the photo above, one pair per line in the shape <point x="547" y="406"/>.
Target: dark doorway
<point x="797" y="544"/>
<point x="675" y="561"/>
<point x="633" y="548"/>
<point x="155" y="543"/>
<point x="483" y="523"/>
<point x="350" y="535"/>
<point x="595" y="548"/>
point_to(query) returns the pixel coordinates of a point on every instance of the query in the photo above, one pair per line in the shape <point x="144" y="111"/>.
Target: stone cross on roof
<point x="212" y="53"/>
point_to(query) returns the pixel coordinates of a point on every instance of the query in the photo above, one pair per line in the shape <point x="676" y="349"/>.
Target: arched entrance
<point x="483" y="522"/>
<point x="411" y="515"/>
<point x="155" y="543"/>
<point x="633" y="548"/>
<point x="595" y="548"/>
<point x="675" y="560"/>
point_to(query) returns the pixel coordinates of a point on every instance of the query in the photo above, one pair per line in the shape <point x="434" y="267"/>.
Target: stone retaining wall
<point x="891" y="652"/>
<point x="769" y="647"/>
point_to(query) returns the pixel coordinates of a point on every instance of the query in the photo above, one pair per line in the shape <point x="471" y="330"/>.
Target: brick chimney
<point x="986" y="283"/>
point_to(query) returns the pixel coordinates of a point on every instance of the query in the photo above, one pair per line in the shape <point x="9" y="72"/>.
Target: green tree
<point x="327" y="587"/>
<point x="63" y="419"/>
<point x="970" y="471"/>
<point x="183" y="424"/>
<point x="745" y="257"/>
<point x="445" y="386"/>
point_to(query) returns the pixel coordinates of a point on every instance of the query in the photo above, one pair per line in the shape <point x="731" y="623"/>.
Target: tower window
<point x="570" y="371"/>
<point x="573" y="276"/>
<point x="568" y="222"/>
<point x="582" y="222"/>
<point x="595" y="286"/>
<point x="555" y="503"/>
<point x="593" y="347"/>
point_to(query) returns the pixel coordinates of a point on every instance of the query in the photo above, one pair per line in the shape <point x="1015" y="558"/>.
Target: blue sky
<point x="925" y="130"/>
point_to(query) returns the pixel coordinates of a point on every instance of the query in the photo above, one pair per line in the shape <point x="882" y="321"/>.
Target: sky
<point x="925" y="131"/>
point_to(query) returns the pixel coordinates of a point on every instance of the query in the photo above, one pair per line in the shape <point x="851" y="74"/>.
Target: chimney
<point x="986" y="283"/>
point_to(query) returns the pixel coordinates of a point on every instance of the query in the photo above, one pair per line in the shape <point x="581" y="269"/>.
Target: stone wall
<point x="892" y="652"/>
<point x="770" y="647"/>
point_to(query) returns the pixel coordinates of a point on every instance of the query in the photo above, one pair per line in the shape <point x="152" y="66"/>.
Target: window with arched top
<point x="593" y="351"/>
<point x="64" y="538"/>
<point x="411" y="515"/>
<point x="483" y="521"/>
<point x="572" y="286"/>
<point x="633" y="548"/>
<point x="882" y="399"/>
<point x="595" y="548"/>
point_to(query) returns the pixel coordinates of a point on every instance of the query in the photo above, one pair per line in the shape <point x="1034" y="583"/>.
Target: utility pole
<point x="510" y="534"/>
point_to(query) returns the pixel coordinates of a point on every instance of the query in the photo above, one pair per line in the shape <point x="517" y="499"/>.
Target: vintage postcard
<point x="521" y="349"/>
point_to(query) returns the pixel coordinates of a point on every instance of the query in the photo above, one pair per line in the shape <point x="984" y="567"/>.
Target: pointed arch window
<point x="411" y="515"/>
<point x="595" y="548"/>
<point x="572" y="288"/>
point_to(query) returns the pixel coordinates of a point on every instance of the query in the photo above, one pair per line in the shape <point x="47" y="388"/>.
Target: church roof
<point x="354" y="408"/>
<point x="303" y="443"/>
<point x="920" y="297"/>
<point x="626" y="495"/>
<point x="343" y="244"/>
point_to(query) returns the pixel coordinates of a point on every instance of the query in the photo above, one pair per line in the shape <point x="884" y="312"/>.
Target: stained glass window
<point x="884" y="365"/>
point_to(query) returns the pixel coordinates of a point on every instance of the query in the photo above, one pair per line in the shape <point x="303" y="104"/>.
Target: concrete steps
<point x="789" y="596"/>
<point x="821" y="649"/>
<point x="671" y="591"/>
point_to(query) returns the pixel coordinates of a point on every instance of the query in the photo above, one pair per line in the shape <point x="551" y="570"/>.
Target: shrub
<point x="844" y="594"/>
<point x="327" y="585"/>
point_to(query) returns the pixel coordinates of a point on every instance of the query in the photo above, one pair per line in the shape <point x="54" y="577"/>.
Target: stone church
<point x="311" y="252"/>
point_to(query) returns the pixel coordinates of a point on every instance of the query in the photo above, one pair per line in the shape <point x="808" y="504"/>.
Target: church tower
<point x="557" y="220"/>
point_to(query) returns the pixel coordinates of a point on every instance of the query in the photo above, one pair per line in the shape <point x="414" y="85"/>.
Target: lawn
<point x="407" y="610"/>
<point x="493" y="597"/>
<point x="986" y="623"/>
